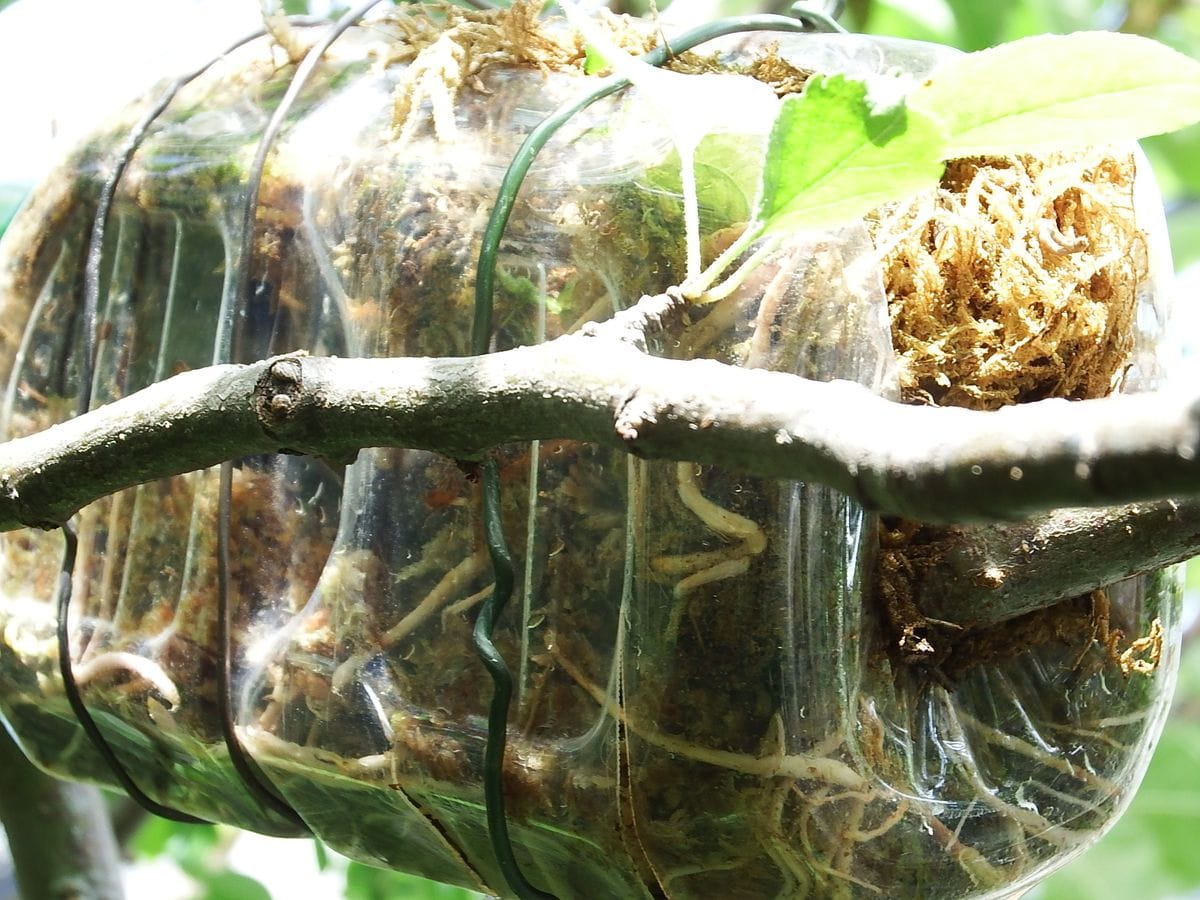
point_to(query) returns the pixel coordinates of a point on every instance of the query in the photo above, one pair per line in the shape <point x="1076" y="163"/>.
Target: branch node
<point x="278" y="392"/>
<point x="649" y="317"/>
<point x="634" y="415"/>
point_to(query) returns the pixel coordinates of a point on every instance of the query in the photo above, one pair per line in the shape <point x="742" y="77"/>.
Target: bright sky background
<point x="66" y="64"/>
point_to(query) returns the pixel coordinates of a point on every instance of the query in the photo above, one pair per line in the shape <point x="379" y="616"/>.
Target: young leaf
<point x="594" y="60"/>
<point x="1056" y="90"/>
<point x="832" y="156"/>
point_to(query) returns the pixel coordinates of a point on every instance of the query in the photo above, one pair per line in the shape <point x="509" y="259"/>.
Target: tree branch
<point x="984" y="574"/>
<point x="931" y="464"/>
<point x="59" y="833"/>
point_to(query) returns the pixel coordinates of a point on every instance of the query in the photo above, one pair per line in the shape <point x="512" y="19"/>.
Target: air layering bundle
<point x="722" y="688"/>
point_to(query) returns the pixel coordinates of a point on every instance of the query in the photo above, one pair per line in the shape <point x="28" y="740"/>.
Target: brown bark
<point x="983" y="574"/>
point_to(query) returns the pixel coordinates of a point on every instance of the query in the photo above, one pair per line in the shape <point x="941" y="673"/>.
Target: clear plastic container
<point x="144" y="621"/>
<point x="708" y="702"/>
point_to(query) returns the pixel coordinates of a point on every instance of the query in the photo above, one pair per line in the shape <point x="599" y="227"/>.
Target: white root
<point x="119" y="661"/>
<point x="1034" y="824"/>
<point x="709" y="566"/>
<point x="461" y="606"/>
<point x="798" y="766"/>
<point x="451" y="584"/>
<point x="1049" y="760"/>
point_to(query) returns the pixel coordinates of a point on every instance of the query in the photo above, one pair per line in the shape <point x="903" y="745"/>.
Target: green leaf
<point x="151" y="838"/>
<point x="1056" y="90"/>
<point x="191" y="847"/>
<point x="594" y="61"/>
<point x="832" y="156"/>
<point x="187" y="845"/>
<point x="918" y="21"/>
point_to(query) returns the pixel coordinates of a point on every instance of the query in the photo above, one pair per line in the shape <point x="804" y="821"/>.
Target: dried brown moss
<point x="767" y="65"/>
<point x="445" y="53"/>
<point x="1016" y="281"/>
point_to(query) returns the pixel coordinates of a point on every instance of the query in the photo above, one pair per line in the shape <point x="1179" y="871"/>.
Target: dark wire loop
<point x="82" y="713"/>
<point x="252" y="776"/>
<point x="90" y="341"/>
<point x="258" y="784"/>
<point x="485" y="623"/>
<point x="300" y="78"/>
<point x="91" y="272"/>
<point x="803" y="20"/>
<point x="820" y="16"/>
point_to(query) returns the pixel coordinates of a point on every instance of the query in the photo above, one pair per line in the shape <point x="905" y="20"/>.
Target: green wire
<point x="481" y="335"/>
<point x="514" y="177"/>
<point x="493" y="758"/>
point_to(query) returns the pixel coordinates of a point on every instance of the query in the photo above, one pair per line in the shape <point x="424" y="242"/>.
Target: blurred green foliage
<point x="202" y="853"/>
<point x="1151" y="852"/>
<point x="367" y="883"/>
<point x="199" y="851"/>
